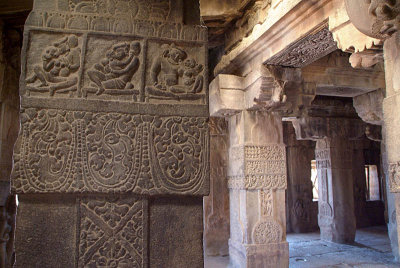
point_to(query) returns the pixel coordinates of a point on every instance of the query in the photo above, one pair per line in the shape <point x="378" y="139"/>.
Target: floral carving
<point x="111" y="233"/>
<point x="267" y="231"/>
<point x="177" y="154"/>
<point x="62" y="151"/>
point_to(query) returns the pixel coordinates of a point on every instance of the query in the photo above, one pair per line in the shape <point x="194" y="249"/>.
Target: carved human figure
<point x="173" y="74"/>
<point x="60" y="62"/>
<point x="117" y="69"/>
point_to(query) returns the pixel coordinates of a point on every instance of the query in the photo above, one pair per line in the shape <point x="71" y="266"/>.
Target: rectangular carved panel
<point x="257" y="167"/>
<point x="61" y="151"/>
<point x="112" y="232"/>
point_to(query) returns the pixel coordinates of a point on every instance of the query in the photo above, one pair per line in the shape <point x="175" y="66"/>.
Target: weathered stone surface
<point x="302" y="211"/>
<point x="46" y="234"/>
<point x="336" y="217"/>
<point x="216" y="205"/>
<point x="176" y="232"/>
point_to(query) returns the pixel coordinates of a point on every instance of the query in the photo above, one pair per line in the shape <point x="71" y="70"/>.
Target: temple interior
<point x="199" y="133"/>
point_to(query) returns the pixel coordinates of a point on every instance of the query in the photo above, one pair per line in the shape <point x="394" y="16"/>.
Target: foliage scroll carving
<point x="78" y="152"/>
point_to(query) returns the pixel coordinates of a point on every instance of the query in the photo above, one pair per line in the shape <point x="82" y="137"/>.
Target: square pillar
<point x="257" y="183"/>
<point x="336" y="216"/>
<point x="112" y="159"/>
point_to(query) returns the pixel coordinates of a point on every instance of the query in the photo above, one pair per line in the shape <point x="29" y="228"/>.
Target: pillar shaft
<point x="112" y="160"/>
<point x="391" y="134"/>
<point x="302" y="211"/>
<point x="216" y="205"/>
<point x="336" y="217"/>
<point x="257" y="182"/>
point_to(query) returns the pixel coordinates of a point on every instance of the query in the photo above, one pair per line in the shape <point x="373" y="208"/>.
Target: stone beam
<point x="266" y="88"/>
<point x="334" y="76"/>
<point x="287" y="25"/>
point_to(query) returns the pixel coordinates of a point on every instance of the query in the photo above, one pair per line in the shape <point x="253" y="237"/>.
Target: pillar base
<point x="259" y="256"/>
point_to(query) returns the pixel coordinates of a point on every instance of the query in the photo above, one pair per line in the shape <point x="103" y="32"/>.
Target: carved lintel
<point x="315" y="45"/>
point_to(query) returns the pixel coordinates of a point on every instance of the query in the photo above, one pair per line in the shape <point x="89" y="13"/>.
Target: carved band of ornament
<point x="394" y="177"/>
<point x="253" y="182"/>
<point x="111" y="232"/>
<point x="256" y="167"/>
<point x="115" y="25"/>
<point x="323" y="164"/>
<point x="322" y="154"/>
<point x="267" y="152"/>
<point x="82" y="152"/>
<point x="307" y="50"/>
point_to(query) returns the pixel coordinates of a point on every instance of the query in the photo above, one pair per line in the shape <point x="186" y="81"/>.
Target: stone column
<point x="334" y="154"/>
<point x="216" y="205"/>
<point x="302" y="211"/>
<point x="112" y="159"/>
<point x="257" y="183"/>
<point x="336" y="217"/>
<point x="359" y="186"/>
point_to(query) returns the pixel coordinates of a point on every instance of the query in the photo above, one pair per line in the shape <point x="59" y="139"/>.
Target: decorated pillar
<point x="381" y="20"/>
<point x="257" y="183"/>
<point x="336" y="216"/>
<point x="111" y="162"/>
<point x="257" y="174"/>
<point x="334" y="154"/>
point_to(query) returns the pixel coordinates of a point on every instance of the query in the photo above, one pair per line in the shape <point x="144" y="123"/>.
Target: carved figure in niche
<point x="175" y="76"/>
<point x="114" y="74"/>
<point x="61" y="61"/>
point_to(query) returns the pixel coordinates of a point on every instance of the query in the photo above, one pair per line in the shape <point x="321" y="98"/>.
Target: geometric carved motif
<point x="111" y="232"/>
<point x="77" y="152"/>
<point x="264" y="167"/>
<point x="394" y="177"/>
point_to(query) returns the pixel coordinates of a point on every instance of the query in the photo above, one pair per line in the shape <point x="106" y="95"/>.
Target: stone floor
<point x="371" y="250"/>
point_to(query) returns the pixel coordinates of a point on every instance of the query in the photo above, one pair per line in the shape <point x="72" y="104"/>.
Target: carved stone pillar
<point x="336" y="217"/>
<point x="257" y="183"/>
<point x="302" y="211"/>
<point x="334" y="155"/>
<point x="216" y="205"/>
<point x="112" y="159"/>
<point x="381" y="20"/>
